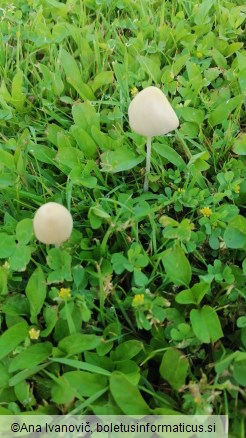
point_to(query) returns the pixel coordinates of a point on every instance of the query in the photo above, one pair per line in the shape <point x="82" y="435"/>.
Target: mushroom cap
<point x="52" y="223"/>
<point x="151" y="114"/>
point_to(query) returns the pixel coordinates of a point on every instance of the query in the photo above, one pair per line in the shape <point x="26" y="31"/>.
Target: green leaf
<point x="179" y="64"/>
<point x="74" y="77"/>
<point x="62" y="392"/>
<point x="84" y="141"/>
<point x="12" y="337"/>
<point x="85" y="383"/>
<point x="36" y="293"/>
<point x="18" y="98"/>
<point x="69" y="157"/>
<point x="24" y="231"/>
<point x="120" y="263"/>
<point x="127" y="396"/>
<point x="140" y="279"/>
<point x="211" y="74"/>
<point x="235" y="233"/>
<point x="202" y="12"/>
<point x="239" y="374"/>
<point x="96" y="216"/>
<point x="100" y="212"/>
<point x="234" y="238"/>
<point x="7" y="160"/>
<point x="20" y="258"/>
<point x="241" y="322"/>
<point x="80" y="176"/>
<point x="60" y="262"/>
<point x="223" y="364"/>
<point x="135" y="256"/>
<point x="232" y="48"/>
<point x="50" y="315"/>
<point x="7" y="245"/>
<point x="104" y="141"/>
<point x="219" y="59"/>
<point x="189" y="129"/>
<point x="224" y="110"/>
<point x="239" y="146"/>
<point x="85" y="116"/>
<point x="151" y="67"/>
<point x="166" y="221"/>
<point x="128" y="349"/>
<point x="4" y="377"/>
<point x="169" y="154"/>
<point x="177" y="266"/>
<point x="24" y="394"/>
<point x="244" y="267"/>
<point x="42" y="153"/>
<point x="78" y="343"/>
<point x="32" y="356"/>
<point x="174" y="368"/>
<point x="130" y="369"/>
<point x="206" y="324"/>
<point x="101" y="79"/>
<point x="121" y="159"/>
<point x="193" y="295"/>
<point x="3" y="281"/>
<point x="204" y="156"/>
<point x="6" y="180"/>
<point x="193" y="115"/>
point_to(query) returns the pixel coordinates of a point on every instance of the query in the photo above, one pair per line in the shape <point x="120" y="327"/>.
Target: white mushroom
<point x="151" y="114"/>
<point x="52" y="223"/>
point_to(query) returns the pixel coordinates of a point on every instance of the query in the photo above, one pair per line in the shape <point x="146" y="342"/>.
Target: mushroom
<point x="52" y="223"/>
<point x="151" y="114"/>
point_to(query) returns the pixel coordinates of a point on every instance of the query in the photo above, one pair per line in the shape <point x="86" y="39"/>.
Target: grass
<point x="149" y="292"/>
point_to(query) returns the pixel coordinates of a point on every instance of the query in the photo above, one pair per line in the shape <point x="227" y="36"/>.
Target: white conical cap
<point x="151" y="114"/>
<point x="52" y="223"/>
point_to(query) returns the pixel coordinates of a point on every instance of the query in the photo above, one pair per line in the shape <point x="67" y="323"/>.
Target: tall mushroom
<point x="52" y="223"/>
<point x="151" y="114"/>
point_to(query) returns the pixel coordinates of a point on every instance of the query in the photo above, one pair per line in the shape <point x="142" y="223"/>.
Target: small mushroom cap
<point x="52" y="223"/>
<point x="151" y="114"/>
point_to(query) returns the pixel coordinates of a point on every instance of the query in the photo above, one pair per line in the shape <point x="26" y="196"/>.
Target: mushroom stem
<point x="148" y="155"/>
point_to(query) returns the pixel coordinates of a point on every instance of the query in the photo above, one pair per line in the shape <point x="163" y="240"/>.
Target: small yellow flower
<point x="237" y="188"/>
<point x="181" y="190"/>
<point x="198" y="400"/>
<point x="138" y="300"/>
<point x="134" y="91"/>
<point x="199" y="55"/>
<point x="64" y="293"/>
<point x="34" y="333"/>
<point x="206" y="211"/>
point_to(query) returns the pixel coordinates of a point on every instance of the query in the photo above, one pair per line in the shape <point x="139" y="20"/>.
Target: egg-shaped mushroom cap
<point x="52" y="223"/>
<point x="151" y="114"/>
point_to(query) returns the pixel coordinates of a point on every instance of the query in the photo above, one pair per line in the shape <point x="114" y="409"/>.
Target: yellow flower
<point x="34" y="333"/>
<point x="237" y="188"/>
<point x="64" y="293"/>
<point x="199" y="55"/>
<point x="138" y="300"/>
<point x="206" y="211"/>
<point x="181" y="190"/>
<point x="198" y="400"/>
<point x="134" y="91"/>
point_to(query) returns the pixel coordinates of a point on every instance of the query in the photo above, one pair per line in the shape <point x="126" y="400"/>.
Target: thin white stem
<point x="148" y="156"/>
